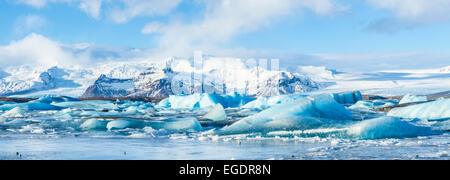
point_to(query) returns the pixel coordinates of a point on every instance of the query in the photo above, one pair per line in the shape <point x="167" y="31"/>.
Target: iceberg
<point x="94" y="124"/>
<point x="31" y="107"/>
<point x="51" y="99"/>
<point x="4" y="102"/>
<point x="348" y="98"/>
<point x="15" y="113"/>
<point x="267" y="102"/>
<point x="203" y="101"/>
<point x="386" y="127"/>
<point x="178" y="124"/>
<point x="371" y="105"/>
<point x="216" y="114"/>
<point x="124" y="123"/>
<point x="305" y="113"/>
<point x="436" y="110"/>
<point x="411" y="98"/>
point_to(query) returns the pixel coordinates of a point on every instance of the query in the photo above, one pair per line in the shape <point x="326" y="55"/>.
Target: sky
<point x="328" y="30"/>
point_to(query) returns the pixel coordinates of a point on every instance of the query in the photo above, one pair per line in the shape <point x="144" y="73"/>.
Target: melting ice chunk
<point x="94" y="124"/>
<point x="123" y="124"/>
<point x="216" y="114"/>
<point x="15" y="113"/>
<point x="371" y="105"/>
<point x="436" y="110"/>
<point x="386" y="127"/>
<point x="306" y="113"/>
<point x="411" y="98"/>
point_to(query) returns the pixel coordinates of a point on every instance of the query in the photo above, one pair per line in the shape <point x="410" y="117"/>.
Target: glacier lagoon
<point x="295" y="127"/>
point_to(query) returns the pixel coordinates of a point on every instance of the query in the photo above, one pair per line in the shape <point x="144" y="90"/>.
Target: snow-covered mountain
<point x="220" y="75"/>
<point x="151" y="79"/>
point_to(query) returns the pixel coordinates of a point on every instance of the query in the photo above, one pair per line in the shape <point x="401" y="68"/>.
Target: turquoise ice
<point x="436" y="110"/>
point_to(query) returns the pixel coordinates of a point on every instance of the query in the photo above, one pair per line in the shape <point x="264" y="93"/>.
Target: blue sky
<point x="291" y="26"/>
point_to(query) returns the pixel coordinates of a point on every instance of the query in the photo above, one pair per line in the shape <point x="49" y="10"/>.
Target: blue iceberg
<point x="267" y="102"/>
<point x="411" y="98"/>
<point x="436" y="110"/>
<point x="348" y="98"/>
<point x="203" y="101"/>
<point x="97" y="105"/>
<point x="386" y="127"/>
<point x="305" y="113"/>
<point x="31" y="107"/>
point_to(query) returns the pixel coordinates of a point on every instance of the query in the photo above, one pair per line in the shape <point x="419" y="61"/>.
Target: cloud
<point x="133" y="8"/>
<point x="29" y="23"/>
<point x="417" y="12"/>
<point x="34" y="49"/>
<point x="226" y="19"/>
<point x="91" y="7"/>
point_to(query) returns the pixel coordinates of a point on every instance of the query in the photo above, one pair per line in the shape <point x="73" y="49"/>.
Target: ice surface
<point x="203" y="101"/>
<point x="305" y="113"/>
<point x="94" y="124"/>
<point x="267" y="102"/>
<point x="439" y="109"/>
<point x="216" y="114"/>
<point x="3" y="103"/>
<point x="15" y="113"/>
<point x="386" y="127"/>
<point x="165" y="103"/>
<point x="348" y="98"/>
<point x="190" y="124"/>
<point x="98" y="105"/>
<point x="371" y="105"/>
<point x="411" y="98"/>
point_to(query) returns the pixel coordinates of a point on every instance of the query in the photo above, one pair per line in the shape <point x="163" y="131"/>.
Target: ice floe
<point x="267" y="102"/>
<point x="411" y="98"/>
<point x="17" y="112"/>
<point x="94" y="124"/>
<point x="386" y="127"/>
<point x="436" y="110"/>
<point x="372" y="105"/>
<point x="217" y="113"/>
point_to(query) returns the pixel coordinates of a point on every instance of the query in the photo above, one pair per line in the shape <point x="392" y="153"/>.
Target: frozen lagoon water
<point x="176" y="134"/>
<point x="54" y="147"/>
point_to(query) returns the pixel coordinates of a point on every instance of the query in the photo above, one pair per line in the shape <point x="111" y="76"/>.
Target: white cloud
<point x="226" y="19"/>
<point x="416" y="11"/>
<point x="34" y="50"/>
<point x="91" y="7"/>
<point x="134" y="8"/>
<point x="28" y="24"/>
<point x="152" y="27"/>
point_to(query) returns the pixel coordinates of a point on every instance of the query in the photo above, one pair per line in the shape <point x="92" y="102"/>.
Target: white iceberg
<point x="94" y="124"/>
<point x="372" y="105"/>
<point x="439" y="109"/>
<point x="267" y="102"/>
<point x="216" y="114"/>
<point x="123" y="124"/>
<point x="179" y="124"/>
<point x="386" y="127"/>
<point x="15" y="113"/>
<point x="305" y="113"/>
<point x="411" y="98"/>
